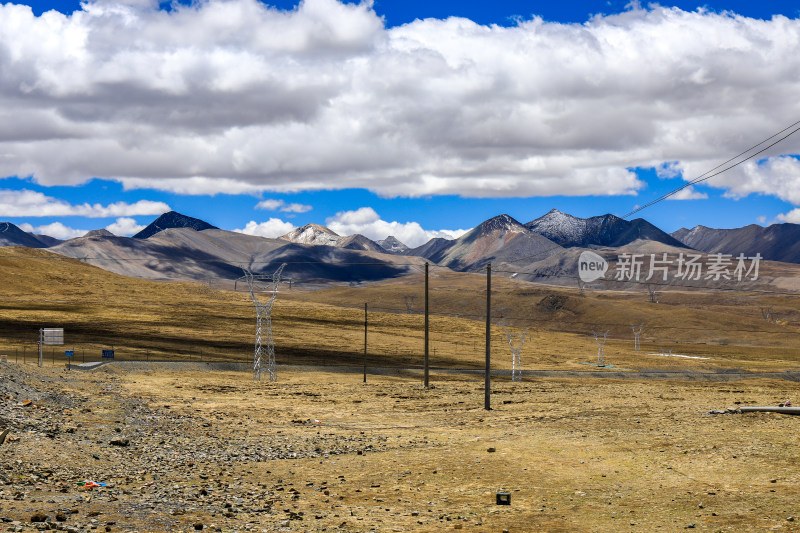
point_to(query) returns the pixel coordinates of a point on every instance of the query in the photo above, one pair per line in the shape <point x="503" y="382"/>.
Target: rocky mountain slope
<point x="605" y="230"/>
<point x="392" y="245"/>
<point x="185" y="253"/>
<point x="778" y="242"/>
<point x="320" y="235"/>
<point x="499" y="239"/>
<point x="312" y="234"/>
<point x="11" y="235"/>
<point x="173" y="219"/>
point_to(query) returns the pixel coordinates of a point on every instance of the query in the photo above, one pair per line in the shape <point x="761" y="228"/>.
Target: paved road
<point x="606" y="373"/>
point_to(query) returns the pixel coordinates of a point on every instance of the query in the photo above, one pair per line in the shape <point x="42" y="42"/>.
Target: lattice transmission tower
<point x="516" y="364"/>
<point x="601" y="348"/>
<point x="264" y="319"/>
<point x="636" y="333"/>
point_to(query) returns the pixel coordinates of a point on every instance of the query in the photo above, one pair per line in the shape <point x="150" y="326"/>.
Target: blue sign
<point x="69" y="353"/>
<point x="108" y="354"/>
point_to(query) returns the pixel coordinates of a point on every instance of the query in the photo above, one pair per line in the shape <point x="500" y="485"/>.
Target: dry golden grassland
<point x="190" y="321"/>
<point x="320" y="451"/>
<point x="209" y="447"/>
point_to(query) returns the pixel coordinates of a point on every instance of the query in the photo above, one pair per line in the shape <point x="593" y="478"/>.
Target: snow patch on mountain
<point x="392" y="245"/>
<point x="558" y="226"/>
<point x="500" y="223"/>
<point x="312" y="234"/>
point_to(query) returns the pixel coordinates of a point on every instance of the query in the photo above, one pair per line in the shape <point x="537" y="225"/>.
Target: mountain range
<point x="778" y="242"/>
<point x="605" y="230"/>
<point x="176" y="246"/>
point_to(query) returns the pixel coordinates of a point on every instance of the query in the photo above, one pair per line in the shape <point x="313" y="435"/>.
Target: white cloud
<point x="792" y="216"/>
<point x="280" y="205"/>
<point x="25" y="203"/>
<point x="233" y="96"/>
<point x="272" y="228"/>
<point x="777" y="175"/>
<point x="56" y="229"/>
<point x="122" y="226"/>
<point x="689" y="193"/>
<point x="367" y="222"/>
<point x="193" y="186"/>
<point x="125" y="226"/>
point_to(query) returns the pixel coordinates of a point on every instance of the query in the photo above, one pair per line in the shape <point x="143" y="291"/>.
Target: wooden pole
<point x="766" y="409"/>
<point x="365" y="342"/>
<point x="488" y="385"/>
<point x="427" y="332"/>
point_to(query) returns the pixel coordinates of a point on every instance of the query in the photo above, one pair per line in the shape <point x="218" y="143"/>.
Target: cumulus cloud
<point x="272" y="228"/>
<point x="56" y="229"/>
<point x="25" y="203"/>
<point x="689" y="193"/>
<point x="280" y="205"/>
<point x="122" y="226"/>
<point x="225" y="96"/>
<point x="368" y="223"/>
<point x="792" y="216"/>
<point x="777" y="176"/>
<point x="125" y="226"/>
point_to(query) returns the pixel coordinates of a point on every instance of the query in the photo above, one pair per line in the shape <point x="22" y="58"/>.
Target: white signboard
<point x="53" y="336"/>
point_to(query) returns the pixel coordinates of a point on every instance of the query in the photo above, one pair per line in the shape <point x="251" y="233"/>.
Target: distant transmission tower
<point x="601" y="348"/>
<point x="636" y="334"/>
<point x="264" y="312"/>
<point x="516" y="365"/>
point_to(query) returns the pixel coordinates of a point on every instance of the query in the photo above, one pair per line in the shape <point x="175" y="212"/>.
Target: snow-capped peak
<point x="558" y="226"/>
<point x="312" y="234"/>
<point x="391" y="244"/>
<point x="500" y="223"/>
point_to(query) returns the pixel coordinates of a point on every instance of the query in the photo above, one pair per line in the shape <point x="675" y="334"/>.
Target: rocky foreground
<point x="186" y="448"/>
<point x="104" y="460"/>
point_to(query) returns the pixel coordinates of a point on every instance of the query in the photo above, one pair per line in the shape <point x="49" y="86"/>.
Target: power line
<point x="710" y="173"/>
<point x="662" y="284"/>
<point x="702" y="177"/>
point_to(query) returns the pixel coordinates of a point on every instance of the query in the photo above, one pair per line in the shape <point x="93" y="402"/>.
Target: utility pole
<point x="427" y="335"/>
<point x="365" y="342"/>
<point x="488" y="385"/>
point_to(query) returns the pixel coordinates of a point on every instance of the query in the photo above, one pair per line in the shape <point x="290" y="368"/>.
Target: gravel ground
<point x="202" y="448"/>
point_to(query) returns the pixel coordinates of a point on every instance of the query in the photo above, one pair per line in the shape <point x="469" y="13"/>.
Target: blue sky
<point x="395" y="117"/>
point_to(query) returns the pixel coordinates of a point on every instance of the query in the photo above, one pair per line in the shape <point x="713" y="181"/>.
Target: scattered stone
<point x="491" y="449"/>
<point x="120" y="442"/>
<point x="38" y="517"/>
